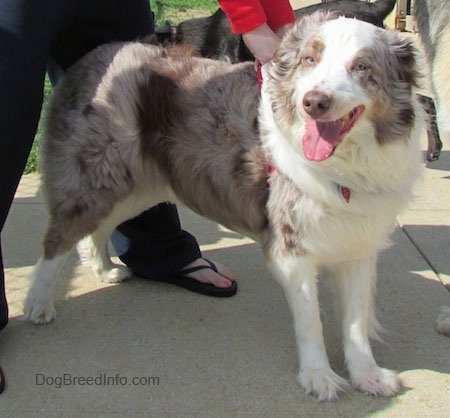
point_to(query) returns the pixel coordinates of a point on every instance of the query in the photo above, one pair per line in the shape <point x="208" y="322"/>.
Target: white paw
<point x="116" y="274"/>
<point x="322" y="383"/>
<point x="377" y="382"/>
<point x="37" y="309"/>
<point x="443" y="321"/>
<point x="38" y="306"/>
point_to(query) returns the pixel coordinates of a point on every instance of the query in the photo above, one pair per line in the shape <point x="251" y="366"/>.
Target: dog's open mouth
<point x="322" y="137"/>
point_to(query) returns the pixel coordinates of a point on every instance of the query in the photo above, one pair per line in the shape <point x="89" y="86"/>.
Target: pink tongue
<point x="321" y="139"/>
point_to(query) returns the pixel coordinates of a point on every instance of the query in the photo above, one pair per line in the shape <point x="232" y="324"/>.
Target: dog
<point x="212" y="37"/>
<point x="315" y="166"/>
<point x="433" y="23"/>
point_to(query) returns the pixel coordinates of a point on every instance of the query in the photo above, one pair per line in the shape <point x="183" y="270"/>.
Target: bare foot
<point x="222" y="279"/>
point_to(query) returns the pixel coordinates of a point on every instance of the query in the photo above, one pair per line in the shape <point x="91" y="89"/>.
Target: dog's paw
<point x="116" y="274"/>
<point x="443" y="321"/>
<point x="377" y="382"/>
<point x="38" y="310"/>
<point x="324" y="384"/>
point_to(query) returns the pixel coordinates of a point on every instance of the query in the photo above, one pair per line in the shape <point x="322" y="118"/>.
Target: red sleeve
<point x="278" y="13"/>
<point x="246" y="15"/>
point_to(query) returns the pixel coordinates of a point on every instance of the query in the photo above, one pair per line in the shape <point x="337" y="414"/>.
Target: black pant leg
<point x="158" y="245"/>
<point x="25" y="35"/>
<point x="90" y="23"/>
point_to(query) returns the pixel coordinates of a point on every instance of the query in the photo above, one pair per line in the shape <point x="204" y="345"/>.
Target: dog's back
<point x="135" y="99"/>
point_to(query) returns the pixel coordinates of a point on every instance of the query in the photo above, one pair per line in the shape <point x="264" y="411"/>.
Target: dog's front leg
<point x="356" y="282"/>
<point x="298" y="277"/>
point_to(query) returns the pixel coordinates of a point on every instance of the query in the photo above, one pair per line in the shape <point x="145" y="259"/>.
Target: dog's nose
<point x="316" y="103"/>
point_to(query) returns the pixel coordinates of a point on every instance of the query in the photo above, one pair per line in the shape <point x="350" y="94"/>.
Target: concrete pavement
<point x="191" y="355"/>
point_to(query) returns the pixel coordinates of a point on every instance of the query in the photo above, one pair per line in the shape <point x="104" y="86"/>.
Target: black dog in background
<point x="212" y="37"/>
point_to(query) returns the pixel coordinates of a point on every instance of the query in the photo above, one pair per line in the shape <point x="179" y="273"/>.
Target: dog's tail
<point x="384" y="7"/>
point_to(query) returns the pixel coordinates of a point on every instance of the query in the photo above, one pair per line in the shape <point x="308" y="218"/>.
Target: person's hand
<point x="262" y="42"/>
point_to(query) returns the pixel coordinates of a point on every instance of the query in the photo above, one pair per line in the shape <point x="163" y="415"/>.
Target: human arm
<point x="261" y="23"/>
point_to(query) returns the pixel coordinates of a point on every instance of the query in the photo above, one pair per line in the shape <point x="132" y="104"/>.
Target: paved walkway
<point x="199" y="356"/>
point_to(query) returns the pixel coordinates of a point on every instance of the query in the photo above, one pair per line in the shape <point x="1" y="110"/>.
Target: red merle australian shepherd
<point x="337" y="122"/>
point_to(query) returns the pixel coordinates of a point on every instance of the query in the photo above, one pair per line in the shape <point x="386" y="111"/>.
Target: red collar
<point x="270" y="171"/>
<point x="259" y="75"/>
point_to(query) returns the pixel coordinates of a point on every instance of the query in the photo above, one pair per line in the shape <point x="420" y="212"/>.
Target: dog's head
<point x="333" y="75"/>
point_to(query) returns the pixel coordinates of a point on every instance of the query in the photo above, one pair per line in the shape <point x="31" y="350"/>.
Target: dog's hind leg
<point x="38" y="306"/>
<point x="68" y="225"/>
<point x="298" y="277"/>
<point x="94" y="249"/>
<point x="63" y="234"/>
<point x="356" y="283"/>
<point x="59" y="240"/>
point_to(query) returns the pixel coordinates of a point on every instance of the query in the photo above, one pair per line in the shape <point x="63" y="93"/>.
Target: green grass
<point x="32" y="163"/>
<point x="173" y="11"/>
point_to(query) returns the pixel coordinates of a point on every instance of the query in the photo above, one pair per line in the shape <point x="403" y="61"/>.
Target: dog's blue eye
<point x="359" y="67"/>
<point x="309" y="61"/>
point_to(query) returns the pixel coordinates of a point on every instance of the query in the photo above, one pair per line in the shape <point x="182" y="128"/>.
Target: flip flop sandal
<point x="182" y="280"/>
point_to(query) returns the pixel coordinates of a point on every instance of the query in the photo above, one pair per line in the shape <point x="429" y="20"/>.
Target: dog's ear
<point x="293" y="41"/>
<point x="404" y="52"/>
<point x="305" y="26"/>
<point x="396" y="64"/>
<point x="306" y="23"/>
